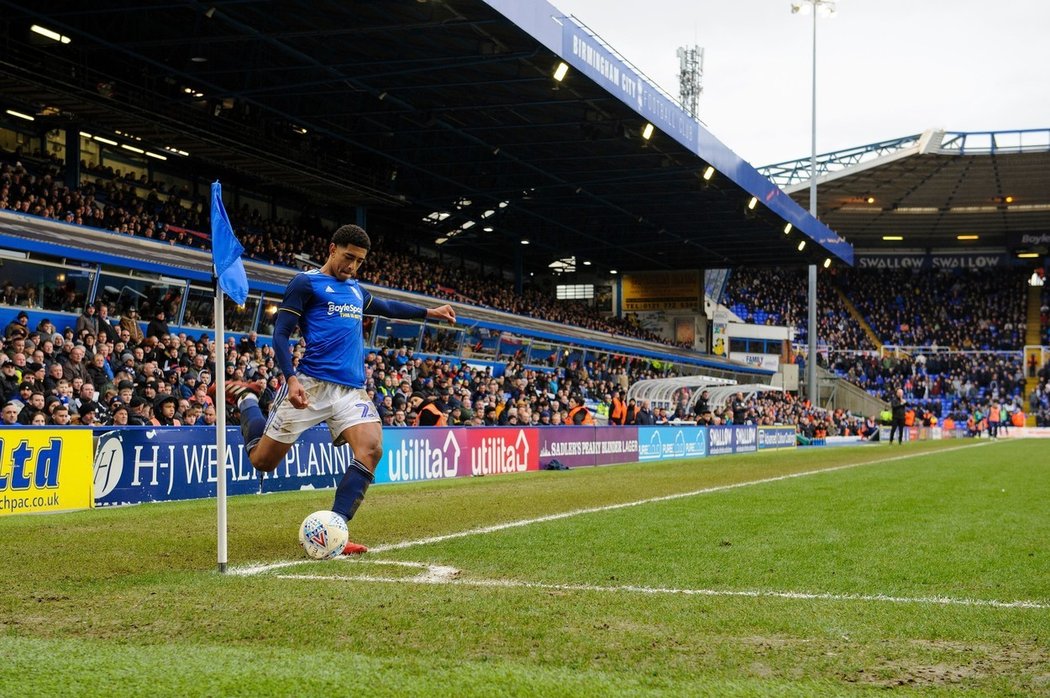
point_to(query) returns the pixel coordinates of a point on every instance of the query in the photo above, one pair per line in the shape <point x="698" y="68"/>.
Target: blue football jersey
<point x="330" y="313"/>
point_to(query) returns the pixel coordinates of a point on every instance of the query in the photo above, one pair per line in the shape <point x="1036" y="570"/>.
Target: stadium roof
<point x="930" y="188"/>
<point x="442" y="117"/>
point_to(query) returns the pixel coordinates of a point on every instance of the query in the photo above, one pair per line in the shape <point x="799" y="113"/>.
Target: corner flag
<point x="226" y="250"/>
<point x="229" y="269"/>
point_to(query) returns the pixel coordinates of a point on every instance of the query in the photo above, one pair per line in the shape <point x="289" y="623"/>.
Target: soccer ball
<point x="323" y="535"/>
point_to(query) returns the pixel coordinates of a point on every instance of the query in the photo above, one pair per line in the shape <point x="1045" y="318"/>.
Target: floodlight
<point x="20" y="115"/>
<point x="892" y="238"/>
<point x="967" y="237"/>
<point x="752" y="203"/>
<point x="647" y="131"/>
<point x="709" y="173"/>
<point x="801" y="245"/>
<point x="107" y="141"/>
<point x="49" y="33"/>
<point x="827" y="262"/>
<point x="787" y="228"/>
<point x="561" y="71"/>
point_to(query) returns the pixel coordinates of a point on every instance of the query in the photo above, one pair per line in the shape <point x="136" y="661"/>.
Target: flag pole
<point x="230" y="279"/>
<point x="220" y="425"/>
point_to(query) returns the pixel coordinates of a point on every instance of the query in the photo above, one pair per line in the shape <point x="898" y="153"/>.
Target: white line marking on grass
<point x="651" y="500"/>
<point x="436" y="574"/>
<point x="261" y="568"/>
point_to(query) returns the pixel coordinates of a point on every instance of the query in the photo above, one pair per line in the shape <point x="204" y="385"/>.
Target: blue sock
<point x="351" y="489"/>
<point x="253" y="424"/>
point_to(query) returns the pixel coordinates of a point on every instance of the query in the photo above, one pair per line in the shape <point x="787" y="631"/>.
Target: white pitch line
<point x="261" y="568"/>
<point x="442" y="576"/>
<point x="651" y="500"/>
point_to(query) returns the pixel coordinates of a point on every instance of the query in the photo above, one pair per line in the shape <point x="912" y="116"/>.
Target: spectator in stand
<point x="164" y="412"/>
<point x="129" y="323"/>
<point x="19" y="326"/>
<point x="10" y="412"/>
<point x="645" y="415"/>
<point x="88" y="414"/>
<point x="157" y="327"/>
<point x="87" y="322"/>
<point x="9" y="379"/>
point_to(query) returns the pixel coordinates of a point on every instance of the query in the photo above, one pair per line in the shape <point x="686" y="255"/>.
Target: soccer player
<point x="327" y="305"/>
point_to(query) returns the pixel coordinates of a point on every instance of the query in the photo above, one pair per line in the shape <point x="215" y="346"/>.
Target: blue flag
<point x="226" y="250"/>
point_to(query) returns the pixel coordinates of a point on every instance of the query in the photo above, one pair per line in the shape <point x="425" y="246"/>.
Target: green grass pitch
<point x="922" y="570"/>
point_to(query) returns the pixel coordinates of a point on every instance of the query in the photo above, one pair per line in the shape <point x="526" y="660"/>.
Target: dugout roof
<point x="930" y="188"/>
<point x="416" y="108"/>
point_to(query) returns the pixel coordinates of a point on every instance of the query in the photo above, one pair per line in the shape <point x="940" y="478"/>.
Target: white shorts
<point x="339" y="405"/>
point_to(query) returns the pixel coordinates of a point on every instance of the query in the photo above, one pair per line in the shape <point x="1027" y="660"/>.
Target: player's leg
<point x="366" y="442"/>
<point x="356" y="422"/>
<point x="265" y="452"/>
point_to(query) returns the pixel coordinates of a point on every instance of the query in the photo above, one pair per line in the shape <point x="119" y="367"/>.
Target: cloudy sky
<point x="886" y="68"/>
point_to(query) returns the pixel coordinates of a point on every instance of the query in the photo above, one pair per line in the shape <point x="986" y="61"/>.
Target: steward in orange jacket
<point x="578" y="414"/>
<point x="427" y="413"/>
<point x="618" y="410"/>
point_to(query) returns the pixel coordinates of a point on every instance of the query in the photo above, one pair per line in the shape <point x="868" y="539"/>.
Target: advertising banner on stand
<point x="434" y="453"/>
<point x="45" y="470"/>
<point x="145" y="464"/>
<point x="668" y="442"/>
<point x="720" y="440"/>
<point x="776" y="437"/>
<point x="587" y="446"/>
<point x="745" y="438"/>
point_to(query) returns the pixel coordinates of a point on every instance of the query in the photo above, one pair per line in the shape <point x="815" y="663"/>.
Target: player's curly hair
<point x="352" y="235"/>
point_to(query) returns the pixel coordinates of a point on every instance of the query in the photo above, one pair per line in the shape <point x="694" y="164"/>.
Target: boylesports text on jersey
<point x="348" y="310"/>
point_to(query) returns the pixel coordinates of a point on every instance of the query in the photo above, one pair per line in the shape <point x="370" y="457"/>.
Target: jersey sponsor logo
<point x="348" y="310"/>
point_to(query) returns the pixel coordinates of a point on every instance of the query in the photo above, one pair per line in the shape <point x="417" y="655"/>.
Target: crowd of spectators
<point x="958" y="309"/>
<point x="779" y="296"/>
<point x="941" y="383"/>
<point x="97" y="372"/>
<point x="113" y="200"/>
<point x="964" y="310"/>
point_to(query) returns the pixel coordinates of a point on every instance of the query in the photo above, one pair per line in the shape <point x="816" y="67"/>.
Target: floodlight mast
<point x="816" y="7"/>
<point x="690" y="78"/>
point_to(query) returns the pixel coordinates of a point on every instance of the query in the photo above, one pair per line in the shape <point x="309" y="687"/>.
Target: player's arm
<point x="397" y="310"/>
<point x="296" y="296"/>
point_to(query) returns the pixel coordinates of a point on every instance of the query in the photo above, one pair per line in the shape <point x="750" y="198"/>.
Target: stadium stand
<point x="963" y="310"/>
<point x="113" y="202"/>
<point x="777" y="296"/>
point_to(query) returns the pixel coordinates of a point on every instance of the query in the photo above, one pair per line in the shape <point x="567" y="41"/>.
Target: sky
<point x="885" y="68"/>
